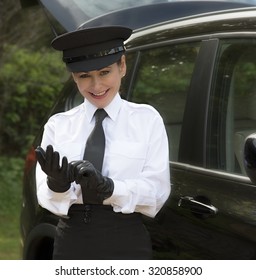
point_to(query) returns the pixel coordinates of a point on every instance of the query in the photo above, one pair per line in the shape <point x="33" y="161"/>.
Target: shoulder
<point x="74" y="112"/>
<point x="141" y="110"/>
<point x="143" y="117"/>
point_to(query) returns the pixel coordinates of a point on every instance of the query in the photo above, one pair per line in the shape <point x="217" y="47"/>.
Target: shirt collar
<point x="89" y="110"/>
<point x="112" y="109"/>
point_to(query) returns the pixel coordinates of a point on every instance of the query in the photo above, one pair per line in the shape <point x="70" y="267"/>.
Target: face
<point x="100" y="86"/>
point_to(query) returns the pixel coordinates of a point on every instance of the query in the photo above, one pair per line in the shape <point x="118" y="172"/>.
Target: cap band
<point x="92" y="56"/>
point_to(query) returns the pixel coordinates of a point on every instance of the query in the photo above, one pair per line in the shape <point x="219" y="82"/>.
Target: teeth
<point x="99" y="94"/>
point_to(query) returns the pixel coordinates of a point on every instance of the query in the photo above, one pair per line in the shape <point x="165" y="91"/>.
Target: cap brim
<point x="94" y="64"/>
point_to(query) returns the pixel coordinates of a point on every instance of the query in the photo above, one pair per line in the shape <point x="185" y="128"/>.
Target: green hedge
<point x="11" y="172"/>
<point x="30" y="81"/>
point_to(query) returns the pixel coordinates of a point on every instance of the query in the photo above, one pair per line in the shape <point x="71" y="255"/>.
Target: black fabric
<point x="109" y="235"/>
<point x="94" y="151"/>
<point x="95" y="145"/>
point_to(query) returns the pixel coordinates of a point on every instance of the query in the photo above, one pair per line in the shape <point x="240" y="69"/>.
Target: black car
<point x="196" y="64"/>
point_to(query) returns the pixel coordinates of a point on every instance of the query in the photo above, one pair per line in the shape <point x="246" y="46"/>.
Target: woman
<point x="112" y="170"/>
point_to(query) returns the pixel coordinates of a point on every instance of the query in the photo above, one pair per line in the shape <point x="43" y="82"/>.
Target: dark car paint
<point x="155" y="13"/>
<point x="230" y="234"/>
<point x="129" y="13"/>
<point x="182" y="229"/>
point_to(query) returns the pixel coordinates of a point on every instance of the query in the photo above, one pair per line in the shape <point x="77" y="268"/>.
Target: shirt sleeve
<point x="149" y="191"/>
<point x="57" y="203"/>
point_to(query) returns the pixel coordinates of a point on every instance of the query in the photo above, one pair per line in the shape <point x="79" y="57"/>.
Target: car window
<point x="163" y="80"/>
<point x="233" y="114"/>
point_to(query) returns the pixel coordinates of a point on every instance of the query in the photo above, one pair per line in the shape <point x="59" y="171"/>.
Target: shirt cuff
<point x="57" y="203"/>
<point x="119" y="197"/>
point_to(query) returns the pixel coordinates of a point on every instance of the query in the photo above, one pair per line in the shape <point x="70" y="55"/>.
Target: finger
<point x="85" y="171"/>
<point x="77" y="177"/>
<point x="85" y="164"/>
<point x="55" y="161"/>
<point x="82" y="176"/>
<point x="75" y="163"/>
<point x="64" y="164"/>
<point x="40" y="155"/>
<point x="48" y="158"/>
<point x="49" y="150"/>
<point x="74" y="166"/>
<point x="73" y="169"/>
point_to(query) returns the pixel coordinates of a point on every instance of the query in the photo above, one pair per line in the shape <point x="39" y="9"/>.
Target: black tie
<point x="95" y="145"/>
<point x="94" y="152"/>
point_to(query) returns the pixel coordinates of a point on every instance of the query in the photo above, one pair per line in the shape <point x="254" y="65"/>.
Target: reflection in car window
<point x="163" y="81"/>
<point x="233" y="110"/>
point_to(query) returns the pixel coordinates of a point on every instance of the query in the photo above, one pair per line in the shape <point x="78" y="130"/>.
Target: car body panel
<point x="79" y="12"/>
<point x="72" y="14"/>
<point x="224" y="235"/>
<point x="155" y="13"/>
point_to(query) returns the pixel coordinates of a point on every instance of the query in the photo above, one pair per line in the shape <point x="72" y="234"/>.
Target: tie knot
<point x="100" y="115"/>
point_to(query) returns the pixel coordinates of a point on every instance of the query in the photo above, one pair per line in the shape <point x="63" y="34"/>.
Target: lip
<point x="100" y="95"/>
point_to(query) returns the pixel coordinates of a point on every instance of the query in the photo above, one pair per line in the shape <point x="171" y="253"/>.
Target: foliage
<point x="29" y="84"/>
<point x="11" y="170"/>
<point x="10" y="197"/>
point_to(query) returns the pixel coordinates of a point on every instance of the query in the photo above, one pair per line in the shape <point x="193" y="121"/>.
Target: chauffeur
<point x="103" y="164"/>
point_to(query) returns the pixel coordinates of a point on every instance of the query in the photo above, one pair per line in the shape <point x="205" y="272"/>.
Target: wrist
<point x="56" y="186"/>
<point x="105" y="188"/>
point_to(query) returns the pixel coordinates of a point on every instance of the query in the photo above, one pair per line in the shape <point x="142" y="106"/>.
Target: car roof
<point x="212" y="24"/>
<point x="161" y="12"/>
<point x="72" y="14"/>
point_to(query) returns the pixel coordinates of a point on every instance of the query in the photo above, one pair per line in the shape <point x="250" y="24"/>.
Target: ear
<point x="123" y="66"/>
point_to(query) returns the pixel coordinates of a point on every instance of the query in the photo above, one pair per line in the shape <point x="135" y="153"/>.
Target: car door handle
<point x="200" y="206"/>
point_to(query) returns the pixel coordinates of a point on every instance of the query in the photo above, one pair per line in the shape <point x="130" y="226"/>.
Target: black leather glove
<point x="95" y="186"/>
<point x="57" y="176"/>
<point x="250" y="157"/>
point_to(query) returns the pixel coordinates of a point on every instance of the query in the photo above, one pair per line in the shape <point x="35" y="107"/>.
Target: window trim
<point x="195" y="135"/>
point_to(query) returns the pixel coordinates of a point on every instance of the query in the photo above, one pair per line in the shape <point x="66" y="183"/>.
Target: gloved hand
<point x="95" y="186"/>
<point x="250" y="157"/>
<point x="57" y="176"/>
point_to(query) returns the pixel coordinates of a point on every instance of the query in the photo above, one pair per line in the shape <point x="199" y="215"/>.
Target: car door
<point x="231" y="118"/>
<point x="228" y="233"/>
<point x="210" y="213"/>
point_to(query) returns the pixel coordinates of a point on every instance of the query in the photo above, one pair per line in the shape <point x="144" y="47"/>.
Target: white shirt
<point x="136" y="156"/>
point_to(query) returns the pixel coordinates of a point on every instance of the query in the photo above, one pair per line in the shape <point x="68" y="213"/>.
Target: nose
<point x="95" y="83"/>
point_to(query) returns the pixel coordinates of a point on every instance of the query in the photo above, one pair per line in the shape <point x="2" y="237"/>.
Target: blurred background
<point x="31" y="76"/>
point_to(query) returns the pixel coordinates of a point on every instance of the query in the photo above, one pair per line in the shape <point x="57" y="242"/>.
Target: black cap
<point x="92" y="48"/>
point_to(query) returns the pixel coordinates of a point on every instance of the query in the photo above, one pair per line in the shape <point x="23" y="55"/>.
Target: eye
<point x="83" y="75"/>
<point x="104" y="72"/>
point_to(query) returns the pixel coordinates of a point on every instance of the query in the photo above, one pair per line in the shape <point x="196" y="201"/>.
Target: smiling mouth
<point x="100" y="94"/>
